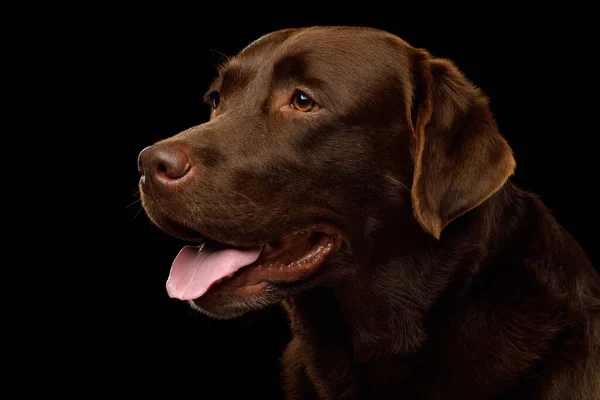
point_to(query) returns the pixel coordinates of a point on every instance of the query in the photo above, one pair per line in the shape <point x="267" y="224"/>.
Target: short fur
<point x="451" y="283"/>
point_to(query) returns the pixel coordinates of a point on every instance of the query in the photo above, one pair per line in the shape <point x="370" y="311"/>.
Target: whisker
<point x="137" y="213"/>
<point x="255" y="204"/>
<point x="396" y="181"/>
<point x="133" y="203"/>
<point x="404" y="186"/>
<point x="224" y="57"/>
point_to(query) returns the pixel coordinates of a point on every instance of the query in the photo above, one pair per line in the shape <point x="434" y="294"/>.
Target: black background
<point x="536" y="67"/>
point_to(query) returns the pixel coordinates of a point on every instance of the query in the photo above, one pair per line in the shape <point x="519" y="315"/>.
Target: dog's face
<point x="317" y="137"/>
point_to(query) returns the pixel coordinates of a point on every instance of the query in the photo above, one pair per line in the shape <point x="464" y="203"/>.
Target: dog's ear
<point x="460" y="158"/>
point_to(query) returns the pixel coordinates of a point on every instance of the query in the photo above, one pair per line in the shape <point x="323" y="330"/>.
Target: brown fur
<point x="451" y="283"/>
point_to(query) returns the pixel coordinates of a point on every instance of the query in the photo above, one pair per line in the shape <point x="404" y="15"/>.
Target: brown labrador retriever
<point x="364" y="183"/>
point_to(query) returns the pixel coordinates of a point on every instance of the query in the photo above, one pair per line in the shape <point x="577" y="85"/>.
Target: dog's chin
<point x="229" y="306"/>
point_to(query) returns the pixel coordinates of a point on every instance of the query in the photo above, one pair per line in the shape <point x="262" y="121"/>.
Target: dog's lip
<point x="181" y="231"/>
<point x="289" y="259"/>
<point x="188" y="234"/>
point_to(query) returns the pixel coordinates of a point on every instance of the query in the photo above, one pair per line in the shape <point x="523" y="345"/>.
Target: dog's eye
<point x="214" y="99"/>
<point x="302" y="102"/>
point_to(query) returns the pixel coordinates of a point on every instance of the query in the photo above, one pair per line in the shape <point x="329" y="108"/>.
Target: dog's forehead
<point x="265" y="44"/>
<point x="335" y="41"/>
<point x="323" y="50"/>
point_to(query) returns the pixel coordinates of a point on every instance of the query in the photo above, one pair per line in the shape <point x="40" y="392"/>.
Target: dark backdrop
<point x="534" y="65"/>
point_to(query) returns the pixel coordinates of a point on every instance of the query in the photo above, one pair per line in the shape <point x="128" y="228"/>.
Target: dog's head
<point x="320" y="140"/>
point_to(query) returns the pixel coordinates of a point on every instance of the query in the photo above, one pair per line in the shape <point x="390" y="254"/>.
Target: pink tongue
<point x="194" y="271"/>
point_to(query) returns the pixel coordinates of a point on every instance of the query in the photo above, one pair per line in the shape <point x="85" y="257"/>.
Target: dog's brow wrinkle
<point x="235" y="78"/>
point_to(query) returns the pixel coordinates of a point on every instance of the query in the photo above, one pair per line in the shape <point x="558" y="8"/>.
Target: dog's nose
<point x="164" y="166"/>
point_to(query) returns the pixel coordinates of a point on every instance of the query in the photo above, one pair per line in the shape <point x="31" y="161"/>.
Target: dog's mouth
<point x="214" y="267"/>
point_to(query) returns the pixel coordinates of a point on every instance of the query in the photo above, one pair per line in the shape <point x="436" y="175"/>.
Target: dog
<point x="364" y="184"/>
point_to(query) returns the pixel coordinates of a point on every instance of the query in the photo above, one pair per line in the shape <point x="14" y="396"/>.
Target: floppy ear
<point x="460" y="158"/>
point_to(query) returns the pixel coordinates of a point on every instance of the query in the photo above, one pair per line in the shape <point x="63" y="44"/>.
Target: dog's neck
<point x="371" y="325"/>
